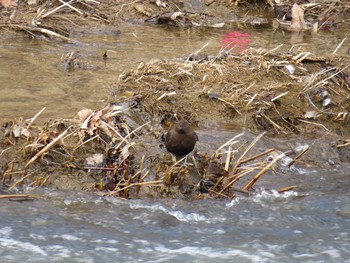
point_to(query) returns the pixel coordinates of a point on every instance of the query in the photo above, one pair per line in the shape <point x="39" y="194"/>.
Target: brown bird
<point x="180" y="139"/>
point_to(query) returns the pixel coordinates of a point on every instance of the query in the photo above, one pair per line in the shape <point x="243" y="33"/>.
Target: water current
<point x="310" y="226"/>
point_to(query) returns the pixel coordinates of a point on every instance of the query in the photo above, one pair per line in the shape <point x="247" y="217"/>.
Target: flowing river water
<point x="310" y="224"/>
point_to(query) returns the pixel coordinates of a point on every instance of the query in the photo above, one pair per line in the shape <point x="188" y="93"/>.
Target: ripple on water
<point x="179" y="215"/>
<point x="266" y="227"/>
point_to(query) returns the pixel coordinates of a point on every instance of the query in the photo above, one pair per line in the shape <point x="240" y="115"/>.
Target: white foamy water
<point x="179" y="215"/>
<point x="265" y="227"/>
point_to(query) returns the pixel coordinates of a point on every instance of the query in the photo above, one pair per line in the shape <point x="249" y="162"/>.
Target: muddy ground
<point x="281" y="92"/>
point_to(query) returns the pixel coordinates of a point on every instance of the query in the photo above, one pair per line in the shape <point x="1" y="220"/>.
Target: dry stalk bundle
<point x="222" y="180"/>
<point x="101" y="131"/>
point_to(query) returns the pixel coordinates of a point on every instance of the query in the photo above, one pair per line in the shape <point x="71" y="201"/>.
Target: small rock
<point x="97" y="160"/>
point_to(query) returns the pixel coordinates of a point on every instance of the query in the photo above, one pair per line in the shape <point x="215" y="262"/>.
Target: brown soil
<point x="226" y="91"/>
<point x="254" y="89"/>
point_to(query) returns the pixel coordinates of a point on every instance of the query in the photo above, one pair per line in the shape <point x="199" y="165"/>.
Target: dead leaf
<point x="310" y="115"/>
<point x="219" y="25"/>
<point x="142" y="9"/>
<point x="124" y="153"/>
<point x="341" y="116"/>
<point x="88" y="124"/>
<point x="8" y="3"/>
<point x="47" y="137"/>
<point x="176" y="15"/>
<point x="298" y="22"/>
<point x="103" y="127"/>
<point x="25" y="132"/>
<point x="16" y="131"/>
<point x="94" y="121"/>
<point x="106" y="113"/>
<point x="84" y="114"/>
<point x="96" y="160"/>
<point x="160" y="4"/>
<point x="166" y="18"/>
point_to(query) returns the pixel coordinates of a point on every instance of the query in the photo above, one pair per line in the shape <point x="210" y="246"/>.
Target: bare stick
<point x="144" y="176"/>
<point x="176" y="163"/>
<point x="251" y="85"/>
<point x="167" y="94"/>
<point x="341" y="43"/>
<point x="46" y="32"/>
<point x="285" y="189"/>
<point x="335" y="74"/>
<point x="199" y="50"/>
<point x="92" y="138"/>
<point x="338" y="146"/>
<point x="313" y="77"/>
<point x="233" y="106"/>
<point x="251" y="100"/>
<point x="44" y="181"/>
<point x="99" y="168"/>
<point x="56" y="9"/>
<point x="316" y="124"/>
<point x="18" y="182"/>
<point x="303" y="57"/>
<point x="25" y="196"/>
<point x="257" y="156"/>
<point x="229" y="142"/>
<point x="3" y="151"/>
<point x="221" y="194"/>
<point x="140" y="170"/>
<point x="151" y="183"/>
<point x="34" y="118"/>
<point x="279" y="96"/>
<point x="72" y="7"/>
<point x="273" y="123"/>
<point x="112" y="128"/>
<point x="47" y="147"/>
<point x="10" y="173"/>
<point x="93" y="1"/>
<point x="248" y="149"/>
<point x="324" y="80"/>
<point x="236" y="178"/>
<point x="264" y="170"/>
<point x="124" y="139"/>
<point x="217" y="183"/>
<point x="273" y="49"/>
<point x="228" y="158"/>
<point x="298" y="156"/>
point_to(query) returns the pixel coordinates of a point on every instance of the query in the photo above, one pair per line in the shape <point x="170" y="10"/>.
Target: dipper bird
<point x="180" y="139"/>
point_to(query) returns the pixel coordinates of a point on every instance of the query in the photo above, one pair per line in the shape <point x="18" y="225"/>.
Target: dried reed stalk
<point x="298" y="156"/>
<point x="18" y="182"/>
<point x="19" y="196"/>
<point x="35" y="117"/>
<point x="340" y="44"/>
<point x="264" y="170"/>
<point x="138" y="128"/>
<point x="323" y="81"/>
<point x="314" y="123"/>
<point x="68" y="4"/>
<point x="257" y="156"/>
<point x="236" y="177"/>
<point x="229" y="142"/>
<point x="45" y="32"/>
<point x="285" y="189"/>
<point x="47" y="147"/>
<point x="150" y="183"/>
<point x="251" y="145"/>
